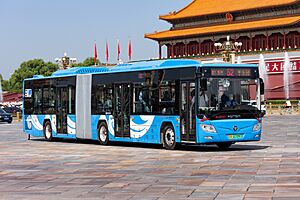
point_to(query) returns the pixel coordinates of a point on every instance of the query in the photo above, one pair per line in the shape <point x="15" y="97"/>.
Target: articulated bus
<point x="166" y="102"/>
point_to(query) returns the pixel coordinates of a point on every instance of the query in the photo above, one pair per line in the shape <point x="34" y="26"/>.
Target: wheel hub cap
<point x="103" y="134"/>
<point x="48" y="132"/>
<point x="170" y="137"/>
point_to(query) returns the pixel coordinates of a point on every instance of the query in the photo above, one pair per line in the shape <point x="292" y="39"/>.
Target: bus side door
<point x="187" y="111"/>
<point x="122" y="109"/>
<point x="62" y="109"/>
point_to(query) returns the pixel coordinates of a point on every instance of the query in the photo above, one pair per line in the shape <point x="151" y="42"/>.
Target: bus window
<point x="28" y="108"/>
<point x="167" y="97"/>
<point x="103" y="98"/>
<point x="48" y="100"/>
<point x="37" y="101"/>
<point x="226" y="94"/>
<point x="71" y="101"/>
<point x="142" y="101"/>
<point x="28" y="98"/>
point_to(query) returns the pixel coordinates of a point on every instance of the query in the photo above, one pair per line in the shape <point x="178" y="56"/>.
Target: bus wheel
<point x="224" y="145"/>
<point x="169" y="137"/>
<point x="48" y="131"/>
<point x="103" y="133"/>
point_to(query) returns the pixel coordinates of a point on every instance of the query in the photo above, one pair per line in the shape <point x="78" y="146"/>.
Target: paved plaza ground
<point x="37" y="169"/>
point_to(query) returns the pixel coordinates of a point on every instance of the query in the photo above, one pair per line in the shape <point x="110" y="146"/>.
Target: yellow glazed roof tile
<point x="207" y="7"/>
<point x="224" y="28"/>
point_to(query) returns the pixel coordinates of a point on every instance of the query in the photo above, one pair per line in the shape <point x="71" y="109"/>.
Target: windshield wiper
<point x="254" y="114"/>
<point x="228" y="112"/>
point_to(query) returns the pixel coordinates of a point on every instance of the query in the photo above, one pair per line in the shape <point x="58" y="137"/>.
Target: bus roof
<point x="79" y="70"/>
<point x="140" y="66"/>
<point x="227" y="65"/>
<point x="154" y="65"/>
<point x="168" y="64"/>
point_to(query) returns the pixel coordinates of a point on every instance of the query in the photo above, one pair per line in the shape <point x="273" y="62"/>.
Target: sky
<point x="47" y="29"/>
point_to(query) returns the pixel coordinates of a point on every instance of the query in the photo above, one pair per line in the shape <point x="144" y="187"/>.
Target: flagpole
<point x="129" y="50"/>
<point x="95" y="54"/>
<point x="106" y="53"/>
<point x="119" y="51"/>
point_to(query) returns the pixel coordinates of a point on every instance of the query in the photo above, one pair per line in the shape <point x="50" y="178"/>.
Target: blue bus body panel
<point x="108" y="119"/>
<point x="33" y="125"/>
<point x="226" y="133"/>
<point x="143" y="128"/>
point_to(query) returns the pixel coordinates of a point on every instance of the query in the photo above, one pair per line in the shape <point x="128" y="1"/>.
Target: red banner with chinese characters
<point x="277" y="65"/>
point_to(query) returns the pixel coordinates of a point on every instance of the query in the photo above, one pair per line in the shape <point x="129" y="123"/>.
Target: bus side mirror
<point x="203" y="84"/>
<point x="262" y="114"/>
<point x="262" y="86"/>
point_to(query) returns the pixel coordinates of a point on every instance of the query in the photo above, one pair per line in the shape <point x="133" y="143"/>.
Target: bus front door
<point x="122" y="110"/>
<point x="61" y="111"/>
<point x="187" y="112"/>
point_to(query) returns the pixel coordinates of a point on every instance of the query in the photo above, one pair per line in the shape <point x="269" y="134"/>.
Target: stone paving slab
<point x="67" y="169"/>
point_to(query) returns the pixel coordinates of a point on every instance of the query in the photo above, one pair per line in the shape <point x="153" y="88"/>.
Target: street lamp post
<point x="228" y="49"/>
<point x="65" y="62"/>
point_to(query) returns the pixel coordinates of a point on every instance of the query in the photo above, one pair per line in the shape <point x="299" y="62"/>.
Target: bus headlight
<point x="257" y="127"/>
<point x="208" y="128"/>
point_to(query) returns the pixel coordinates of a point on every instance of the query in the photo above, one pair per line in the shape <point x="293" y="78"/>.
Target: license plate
<point x="235" y="137"/>
<point x="6" y="118"/>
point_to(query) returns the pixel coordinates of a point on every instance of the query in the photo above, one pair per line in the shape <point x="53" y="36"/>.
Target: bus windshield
<point x="228" y="98"/>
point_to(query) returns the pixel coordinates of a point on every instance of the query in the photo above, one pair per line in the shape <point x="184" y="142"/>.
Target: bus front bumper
<point x="240" y="137"/>
<point x="230" y="131"/>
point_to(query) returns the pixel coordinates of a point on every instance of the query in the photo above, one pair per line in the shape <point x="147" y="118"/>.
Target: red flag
<point x="95" y="54"/>
<point x="119" y="50"/>
<point x="129" y="50"/>
<point x="106" y="52"/>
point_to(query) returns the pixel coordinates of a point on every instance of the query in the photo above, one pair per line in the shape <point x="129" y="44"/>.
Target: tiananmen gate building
<point x="268" y="27"/>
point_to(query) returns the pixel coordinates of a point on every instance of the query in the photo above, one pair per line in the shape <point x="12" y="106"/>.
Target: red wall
<point x="274" y="86"/>
<point x="275" y="89"/>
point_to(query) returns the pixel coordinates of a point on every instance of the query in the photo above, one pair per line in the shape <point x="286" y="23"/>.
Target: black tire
<point x="48" y="131"/>
<point x="224" y="146"/>
<point x="103" y="133"/>
<point x="9" y="122"/>
<point x="168" y="135"/>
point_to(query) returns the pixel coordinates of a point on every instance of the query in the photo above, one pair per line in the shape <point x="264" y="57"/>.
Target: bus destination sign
<point x="230" y="72"/>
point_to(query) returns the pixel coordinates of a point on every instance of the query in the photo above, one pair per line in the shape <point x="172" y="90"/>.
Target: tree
<point x="27" y="70"/>
<point x="3" y="83"/>
<point x="88" y="62"/>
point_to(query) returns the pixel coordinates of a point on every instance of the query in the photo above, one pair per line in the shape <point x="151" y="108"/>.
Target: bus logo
<point x="235" y="128"/>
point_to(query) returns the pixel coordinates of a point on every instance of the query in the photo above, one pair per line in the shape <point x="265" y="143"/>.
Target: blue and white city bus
<point x="164" y="102"/>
